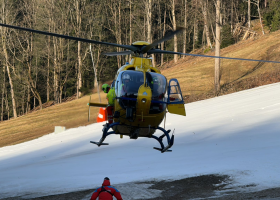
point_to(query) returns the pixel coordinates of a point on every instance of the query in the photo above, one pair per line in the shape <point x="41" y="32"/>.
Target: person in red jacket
<point x="106" y="192"/>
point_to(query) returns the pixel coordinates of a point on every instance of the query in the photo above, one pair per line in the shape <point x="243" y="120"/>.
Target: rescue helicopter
<point x="142" y="94"/>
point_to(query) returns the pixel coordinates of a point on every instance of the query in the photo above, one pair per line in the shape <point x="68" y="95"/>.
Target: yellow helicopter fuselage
<point x="144" y="122"/>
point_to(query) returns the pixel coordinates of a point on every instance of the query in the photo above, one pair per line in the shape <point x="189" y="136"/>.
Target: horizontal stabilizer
<point x="103" y="105"/>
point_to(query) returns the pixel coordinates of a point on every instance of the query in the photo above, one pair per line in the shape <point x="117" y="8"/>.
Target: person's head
<point x="106" y="182"/>
<point x="126" y="78"/>
<point x="157" y="86"/>
<point x="105" y="88"/>
<point x="155" y="81"/>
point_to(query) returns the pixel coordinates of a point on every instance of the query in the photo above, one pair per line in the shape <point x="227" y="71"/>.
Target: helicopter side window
<point x="157" y="83"/>
<point x="175" y="94"/>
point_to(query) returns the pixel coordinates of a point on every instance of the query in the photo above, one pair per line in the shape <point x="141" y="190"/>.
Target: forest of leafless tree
<point x="36" y="69"/>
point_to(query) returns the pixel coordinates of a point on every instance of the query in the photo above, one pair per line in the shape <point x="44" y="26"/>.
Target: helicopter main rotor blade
<point x="132" y="48"/>
<point x="198" y="55"/>
<point x="120" y="53"/>
<point x="167" y="37"/>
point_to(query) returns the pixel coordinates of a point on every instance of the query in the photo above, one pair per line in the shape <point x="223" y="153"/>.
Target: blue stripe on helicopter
<point x="153" y="101"/>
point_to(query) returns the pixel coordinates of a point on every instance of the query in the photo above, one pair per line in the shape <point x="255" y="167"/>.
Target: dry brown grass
<point x="195" y="75"/>
<point x="36" y="124"/>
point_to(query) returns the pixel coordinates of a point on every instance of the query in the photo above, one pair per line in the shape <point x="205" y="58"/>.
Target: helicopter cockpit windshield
<point x="129" y="82"/>
<point x="127" y="86"/>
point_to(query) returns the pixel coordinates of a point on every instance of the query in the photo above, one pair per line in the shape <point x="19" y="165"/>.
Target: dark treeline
<point x="36" y="69"/>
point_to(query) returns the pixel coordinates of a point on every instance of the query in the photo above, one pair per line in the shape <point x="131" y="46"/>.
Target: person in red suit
<point x="106" y="192"/>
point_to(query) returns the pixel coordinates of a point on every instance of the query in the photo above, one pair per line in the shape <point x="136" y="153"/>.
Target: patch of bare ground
<point x="213" y="186"/>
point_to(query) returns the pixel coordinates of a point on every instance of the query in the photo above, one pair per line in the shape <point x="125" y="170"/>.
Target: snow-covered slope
<point x="236" y="134"/>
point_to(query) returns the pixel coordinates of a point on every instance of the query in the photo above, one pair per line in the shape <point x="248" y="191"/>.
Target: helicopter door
<point x="175" y="103"/>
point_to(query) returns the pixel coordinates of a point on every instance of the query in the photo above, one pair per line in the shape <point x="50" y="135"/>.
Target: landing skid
<point x="170" y="141"/>
<point x="105" y="134"/>
<point x="98" y="143"/>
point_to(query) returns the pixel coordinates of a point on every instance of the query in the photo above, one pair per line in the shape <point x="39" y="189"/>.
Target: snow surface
<point x="236" y="134"/>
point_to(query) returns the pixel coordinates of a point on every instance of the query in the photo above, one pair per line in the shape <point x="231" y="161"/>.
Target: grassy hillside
<point x="196" y="77"/>
<point x="36" y="124"/>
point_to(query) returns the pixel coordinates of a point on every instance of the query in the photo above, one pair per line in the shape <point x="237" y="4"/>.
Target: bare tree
<point x="114" y="12"/>
<point x="249" y="13"/>
<point x="4" y="32"/>
<point x="78" y="34"/>
<point x="185" y="25"/>
<point x="204" y="6"/>
<point x="163" y="34"/>
<point x="3" y="93"/>
<point x="148" y="8"/>
<point x="174" y="28"/>
<point x="257" y="3"/>
<point x="217" y="46"/>
<point x="195" y="24"/>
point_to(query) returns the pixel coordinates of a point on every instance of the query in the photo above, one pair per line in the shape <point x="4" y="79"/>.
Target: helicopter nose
<point x="144" y="100"/>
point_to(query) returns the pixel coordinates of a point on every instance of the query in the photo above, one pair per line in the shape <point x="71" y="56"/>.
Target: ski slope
<point x="236" y="134"/>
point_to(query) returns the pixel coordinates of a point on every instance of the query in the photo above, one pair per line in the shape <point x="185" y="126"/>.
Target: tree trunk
<point x="79" y="81"/>
<point x="79" y="71"/>
<point x="48" y="64"/>
<point x="149" y="24"/>
<point x="163" y="34"/>
<point x="55" y="78"/>
<point x="205" y="17"/>
<point x="130" y="24"/>
<point x="120" y="31"/>
<point x="23" y="101"/>
<point x="7" y="106"/>
<point x="95" y="74"/>
<point x="231" y="17"/>
<point x="217" y="47"/>
<point x="185" y="25"/>
<point x="9" y="74"/>
<point x="28" y="99"/>
<point x="31" y="81"/>
<point x="12" y="91"/>
<point x="258" y="5"/>
<point x="195" y="27"/>
<point x="249" y="13"/>
<point x="48" y="78"/>
<point x="3" y="93"/>
<point x="160" y="26"/>
<point x="174" y="28"/>
<point x="4" y="37"/>
<point x="33" y="88"/>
